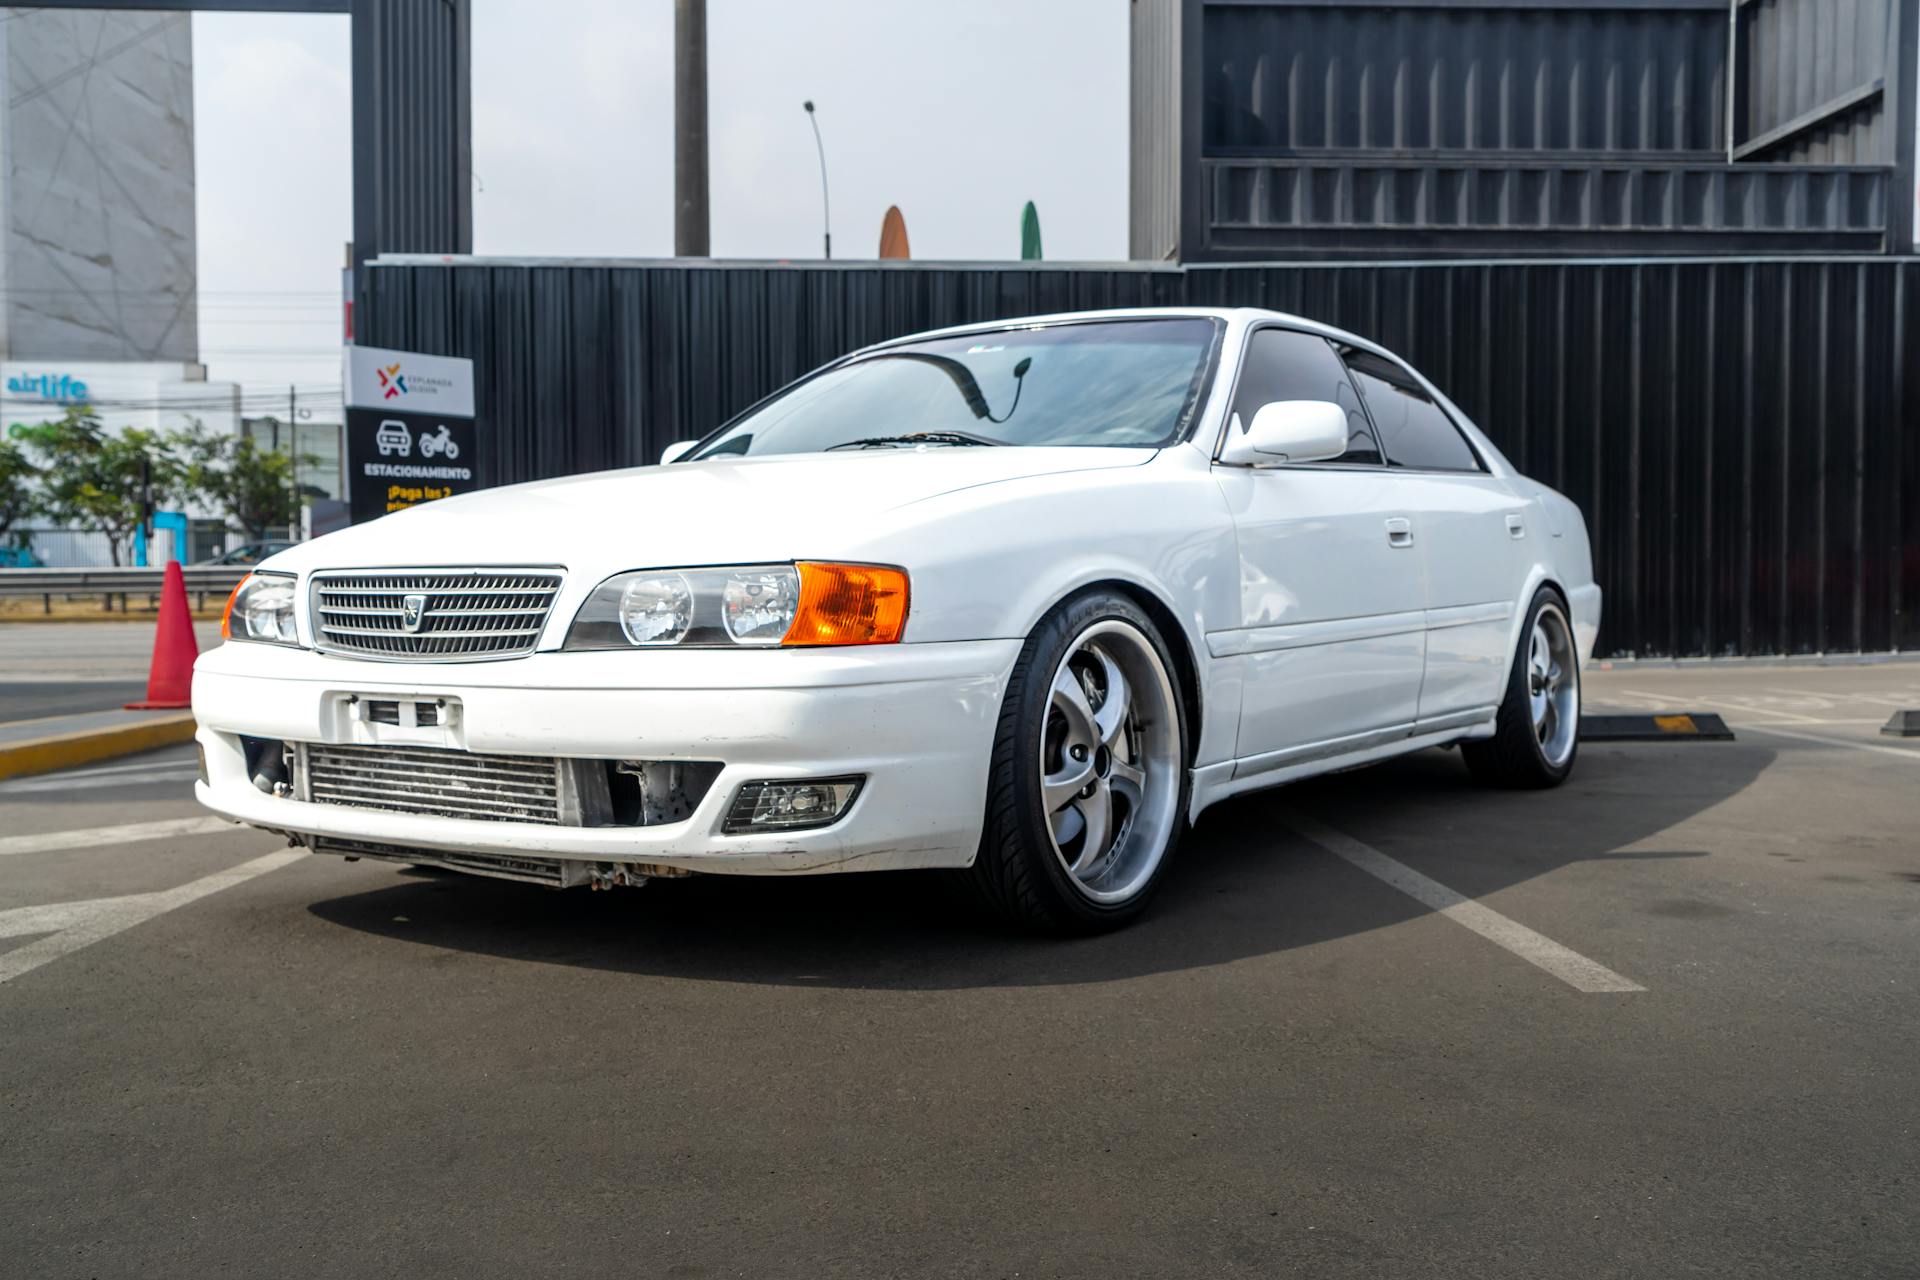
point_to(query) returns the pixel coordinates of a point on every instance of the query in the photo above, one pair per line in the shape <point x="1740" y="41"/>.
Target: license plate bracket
<point x="412" y="719"/>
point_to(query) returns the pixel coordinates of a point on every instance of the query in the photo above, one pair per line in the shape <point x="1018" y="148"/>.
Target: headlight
<point x="657" y="610"/>
<point x="261" y="608"/>
<point x="752" y="606"/>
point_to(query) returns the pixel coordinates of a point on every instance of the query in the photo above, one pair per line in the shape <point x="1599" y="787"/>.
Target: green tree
<point x="19" y="496"/>
<point x="97" y="478"/>
<point x="253" y="487"/>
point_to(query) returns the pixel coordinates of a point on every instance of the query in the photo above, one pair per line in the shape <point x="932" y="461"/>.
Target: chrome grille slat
<point x="468" y="613"/>
<point x="334" y="630"/>
<point x="448" y="784"/>
<point x="381" y="611"/>
<point x="348" y="586"/>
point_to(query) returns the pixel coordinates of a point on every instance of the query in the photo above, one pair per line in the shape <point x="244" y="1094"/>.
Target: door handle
<point x="1516" y="527"/>
<point x="1399" y="532"/>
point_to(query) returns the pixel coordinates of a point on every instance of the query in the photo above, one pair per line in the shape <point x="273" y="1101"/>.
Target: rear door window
<point x="1285" y="364"/>
<point x="1413" y="430"/>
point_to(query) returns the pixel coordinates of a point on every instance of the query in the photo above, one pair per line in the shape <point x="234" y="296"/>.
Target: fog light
<point x="790" y="806"/>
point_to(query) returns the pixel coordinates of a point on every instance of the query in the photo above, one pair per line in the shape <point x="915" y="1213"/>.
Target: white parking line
<point x="171" y="761"/>
<point x="1759" y="726"/>
<point x="62" y="782"/>
<point x="95" y="783"/>
<point x="94" y="837"/>
<point x="1903" y="753"/>
<point x="81" y="924"/>
<point x="1731" y="704"/>
<point x="1570" y="967"/>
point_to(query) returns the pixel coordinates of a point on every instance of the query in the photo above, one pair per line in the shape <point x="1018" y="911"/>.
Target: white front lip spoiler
<point x="916" y="720"/>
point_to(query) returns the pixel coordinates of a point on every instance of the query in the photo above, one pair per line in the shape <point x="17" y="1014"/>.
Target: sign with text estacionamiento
<point x="410" y="431"/>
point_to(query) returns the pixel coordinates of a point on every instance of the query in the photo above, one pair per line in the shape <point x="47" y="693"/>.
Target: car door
<point x="1473" y="542"/>
<point x="1329" y="644"/>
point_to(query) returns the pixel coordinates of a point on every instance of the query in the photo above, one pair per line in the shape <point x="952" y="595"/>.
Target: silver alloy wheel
<point x="1110" y="761"/>
<point x="1553" y="685"/>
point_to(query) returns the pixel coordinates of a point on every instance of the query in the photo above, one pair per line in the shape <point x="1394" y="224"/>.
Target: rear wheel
<point x="1537" y="731"/>
<point x="1088" y="789"/>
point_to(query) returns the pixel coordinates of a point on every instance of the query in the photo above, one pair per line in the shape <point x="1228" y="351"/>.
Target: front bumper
<point x="916" y="720"/>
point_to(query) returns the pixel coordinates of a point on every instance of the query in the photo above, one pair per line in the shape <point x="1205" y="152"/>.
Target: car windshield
<point x="1113" y="383"/>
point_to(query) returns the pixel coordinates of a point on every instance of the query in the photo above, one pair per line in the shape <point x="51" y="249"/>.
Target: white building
<point x="99" y="297"/>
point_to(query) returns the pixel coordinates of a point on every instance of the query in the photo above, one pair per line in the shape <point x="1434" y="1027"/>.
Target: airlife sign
<point x="64" y="389"/>
<point x="411" y="437"/>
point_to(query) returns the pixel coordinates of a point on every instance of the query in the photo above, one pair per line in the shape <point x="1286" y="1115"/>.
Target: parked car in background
<point x="1015" y="600"/>
<point x="249" y="553"/>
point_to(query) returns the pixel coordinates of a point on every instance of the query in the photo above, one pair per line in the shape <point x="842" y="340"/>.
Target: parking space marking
<point x="68" y="782"/>
<point x="81" y="924"/>
<point x="94" y="837"/>
<point x="1536" y="949"/>
<point x="1903" y="753"/>
<point x="169" y="761"/>
<point x="1761" y="726"/>
<point x="1732" y="704"/>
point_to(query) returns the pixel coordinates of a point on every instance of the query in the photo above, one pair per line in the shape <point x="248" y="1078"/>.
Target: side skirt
<point x="1217" y="782"/>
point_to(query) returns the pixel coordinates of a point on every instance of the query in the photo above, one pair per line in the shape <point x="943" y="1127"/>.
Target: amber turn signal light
<point x="849" y="604"/>
<point x="226" y="615"/>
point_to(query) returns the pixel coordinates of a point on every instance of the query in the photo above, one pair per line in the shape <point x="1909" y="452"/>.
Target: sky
<point x="959" y="111"/>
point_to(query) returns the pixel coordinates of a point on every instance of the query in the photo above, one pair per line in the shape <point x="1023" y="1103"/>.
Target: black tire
<point x="1514" y="757"/>
<point x="1018" y="875"/>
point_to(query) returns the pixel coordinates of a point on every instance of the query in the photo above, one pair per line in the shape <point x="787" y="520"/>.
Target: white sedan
<point x="1018" y="600"/>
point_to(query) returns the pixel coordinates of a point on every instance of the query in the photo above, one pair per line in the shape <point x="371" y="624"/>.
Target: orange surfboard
<point x="893" y="234"/>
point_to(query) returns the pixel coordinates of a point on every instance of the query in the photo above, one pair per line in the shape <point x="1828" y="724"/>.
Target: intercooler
<point x="439" y="783"/>
<point x="442" y="783"/>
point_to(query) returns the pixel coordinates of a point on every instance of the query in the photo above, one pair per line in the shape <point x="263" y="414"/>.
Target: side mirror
<point x="676" y="451"/>
<point x="1288" y="431"/>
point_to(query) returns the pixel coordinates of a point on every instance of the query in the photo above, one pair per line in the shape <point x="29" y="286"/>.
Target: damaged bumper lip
<point x="916" y="723"/>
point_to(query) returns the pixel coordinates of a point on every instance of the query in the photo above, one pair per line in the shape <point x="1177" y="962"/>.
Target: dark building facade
<point x="1267" y="129"/>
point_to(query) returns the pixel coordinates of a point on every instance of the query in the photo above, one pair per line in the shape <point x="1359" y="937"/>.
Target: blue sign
<point x="63" y="389"/>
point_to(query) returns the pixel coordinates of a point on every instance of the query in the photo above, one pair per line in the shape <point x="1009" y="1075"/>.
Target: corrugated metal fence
<point x="1740" y="433"/>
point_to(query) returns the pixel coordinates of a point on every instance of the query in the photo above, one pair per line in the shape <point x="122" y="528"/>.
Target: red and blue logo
<point x="392" y="382"/>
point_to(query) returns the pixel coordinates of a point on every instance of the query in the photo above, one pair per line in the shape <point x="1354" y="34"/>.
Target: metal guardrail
<point x="201" y="579"/>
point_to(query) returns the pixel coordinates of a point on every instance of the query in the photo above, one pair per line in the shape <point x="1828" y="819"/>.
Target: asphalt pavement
<point x="60" y="668"/>
<point x="1659" y="1022"/>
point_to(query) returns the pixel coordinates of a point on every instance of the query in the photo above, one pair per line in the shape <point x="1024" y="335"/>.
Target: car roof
<point x="1239" y="316"/>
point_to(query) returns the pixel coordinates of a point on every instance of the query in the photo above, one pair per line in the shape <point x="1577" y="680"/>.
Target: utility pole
<point x="293" y="451"/>
<point x="690" y="238"/>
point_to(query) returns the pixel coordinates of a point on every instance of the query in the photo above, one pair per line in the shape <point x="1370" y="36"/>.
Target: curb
<point x="85" y="746"/>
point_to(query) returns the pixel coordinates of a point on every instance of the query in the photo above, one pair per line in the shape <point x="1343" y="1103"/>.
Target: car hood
<point x="783" y="507"/>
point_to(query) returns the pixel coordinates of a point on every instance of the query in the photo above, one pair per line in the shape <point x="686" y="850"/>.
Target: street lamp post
<point x="826" y="206"/>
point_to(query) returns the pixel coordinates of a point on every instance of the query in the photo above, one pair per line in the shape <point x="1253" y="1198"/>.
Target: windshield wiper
<point x="914" y="437"/>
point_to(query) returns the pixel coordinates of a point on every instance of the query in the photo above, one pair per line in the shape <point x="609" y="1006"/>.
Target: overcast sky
<point x="959" y="112"/>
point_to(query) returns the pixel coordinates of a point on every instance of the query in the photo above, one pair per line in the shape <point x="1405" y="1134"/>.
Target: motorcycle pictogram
<point x="440" y="442"/>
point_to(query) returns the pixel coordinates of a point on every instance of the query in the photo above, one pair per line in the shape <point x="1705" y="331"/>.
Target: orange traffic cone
<point x="170" y="678"/>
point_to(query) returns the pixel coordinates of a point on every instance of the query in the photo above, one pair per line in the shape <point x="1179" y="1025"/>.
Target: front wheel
<point x="1537" y="733"/>
<point x="1087" y="792"/>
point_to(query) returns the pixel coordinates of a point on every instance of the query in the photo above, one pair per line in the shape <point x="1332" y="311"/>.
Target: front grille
<point x="462" y="614"/>
<point x="426" y="780"/>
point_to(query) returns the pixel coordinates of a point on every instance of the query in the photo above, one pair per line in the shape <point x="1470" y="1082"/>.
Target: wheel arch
<point x="1186" y="668"/>
<point x="1540" y="578"/>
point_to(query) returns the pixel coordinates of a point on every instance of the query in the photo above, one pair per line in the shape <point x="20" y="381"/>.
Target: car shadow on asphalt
<point x="1244" y="886"/>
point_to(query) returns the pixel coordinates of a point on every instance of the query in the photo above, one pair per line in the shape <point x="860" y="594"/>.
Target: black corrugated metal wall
<point x="1375" y="129"/>
<point x="1740" y="433"/>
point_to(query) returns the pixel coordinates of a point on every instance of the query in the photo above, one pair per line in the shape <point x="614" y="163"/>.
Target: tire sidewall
<point x="1543" y="599"/>
<point x="1051" y="642"/>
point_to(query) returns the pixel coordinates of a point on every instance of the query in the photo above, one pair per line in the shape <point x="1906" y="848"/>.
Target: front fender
<point x="989" y="562"/>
